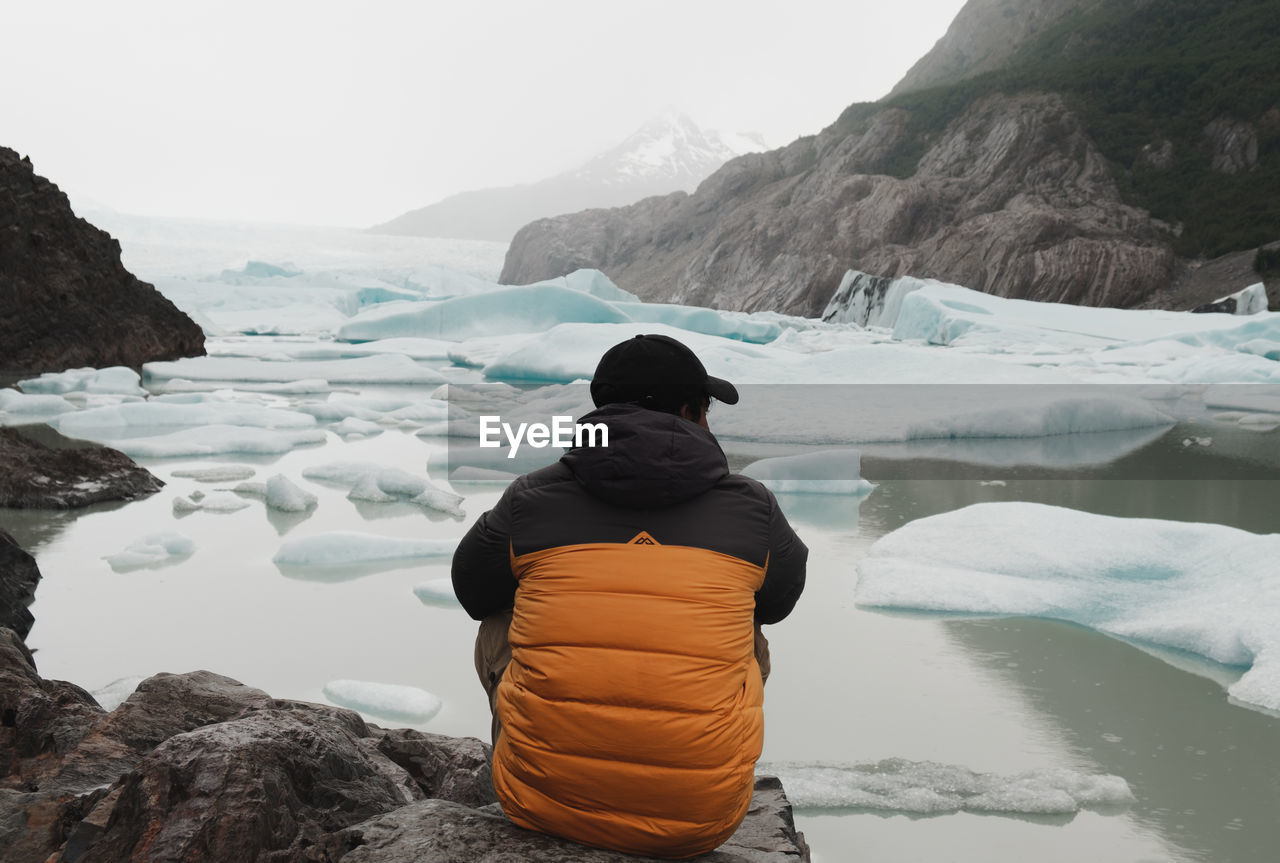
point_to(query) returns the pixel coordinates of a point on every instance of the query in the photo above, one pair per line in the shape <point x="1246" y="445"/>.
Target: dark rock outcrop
<point x="440" y="831"/>
<point x="1012" y="199"/>
<point x="200" y="767"/>
<point x="65" y="298"/>
<point x="35" y="476"/>
<point x="19" y="576"/>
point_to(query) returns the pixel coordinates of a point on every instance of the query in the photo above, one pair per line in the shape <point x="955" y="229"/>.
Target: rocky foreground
<point x="200" y="767"/>
<point x="65" y="298"/>
<point x="69" y="475"/>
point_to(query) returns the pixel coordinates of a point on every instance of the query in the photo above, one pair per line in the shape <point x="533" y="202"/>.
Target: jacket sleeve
<point x="785" y="571"/>
<point x="482" y="577"/>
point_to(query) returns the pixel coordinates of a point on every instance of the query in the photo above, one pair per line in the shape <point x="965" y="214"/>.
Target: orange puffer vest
<point x="632" y="708"/>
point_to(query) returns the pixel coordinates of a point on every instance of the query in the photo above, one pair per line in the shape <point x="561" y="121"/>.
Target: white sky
<point x="350" y="113"/>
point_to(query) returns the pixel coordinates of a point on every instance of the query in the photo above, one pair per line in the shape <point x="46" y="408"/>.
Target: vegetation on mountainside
<point x="1138" y="77"/>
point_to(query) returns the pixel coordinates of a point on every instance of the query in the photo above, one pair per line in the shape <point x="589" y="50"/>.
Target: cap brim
<point x="722" y="390"/>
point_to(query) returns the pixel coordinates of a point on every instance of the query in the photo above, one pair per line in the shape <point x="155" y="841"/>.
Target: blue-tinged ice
<point x="930" y="788"/>
<point x="229" y="473"/>
<point x="152" y="552"/>
<point x="729" y="325"/>
<point x="21" y="408"/>
<point x="951" y="315"/>
<point x="380" y="368"/>
<point x="115" y="380"/>
<point x="1207" y="589"/>
<point x="218" y="440"/>
<point x="106" y="423"/>
<point x="527" y="309"/>
<point x="392" y="701"/>
<point x="351" y="548"/>
<point x="592" y="282"/>
<point x="823" y="472"/>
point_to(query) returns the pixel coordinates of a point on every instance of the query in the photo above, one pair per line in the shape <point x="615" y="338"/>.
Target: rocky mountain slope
<point x="1115" y="141"/>
<point x="666" y="154"/>
<point x="65" y="299"/>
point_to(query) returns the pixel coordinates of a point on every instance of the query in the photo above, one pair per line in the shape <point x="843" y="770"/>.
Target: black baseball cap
<point x="648" y="366"/>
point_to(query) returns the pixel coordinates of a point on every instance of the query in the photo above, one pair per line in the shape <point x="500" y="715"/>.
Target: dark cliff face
<point x="65" y="299"/>
<point x="1012" y="199"/>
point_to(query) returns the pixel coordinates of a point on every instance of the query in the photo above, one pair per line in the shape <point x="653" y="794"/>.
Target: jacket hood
<point x="653" y="459"/>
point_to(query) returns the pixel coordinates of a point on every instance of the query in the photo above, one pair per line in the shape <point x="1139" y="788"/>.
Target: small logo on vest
<point x="643" y="538"/>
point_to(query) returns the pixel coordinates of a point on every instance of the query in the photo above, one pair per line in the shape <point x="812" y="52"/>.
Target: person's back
<point x="630" y="709"/>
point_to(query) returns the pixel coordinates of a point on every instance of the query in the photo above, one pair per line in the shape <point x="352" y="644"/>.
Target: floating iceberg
<point x="729" y="325"/>
<point x="218" y="440"/>
<point x="116" y="380"/>
<point x="377" y="483"/>
<point x="221" y="502"/>
<point x="378" y="368"/>
<point x="385" y="700"/>
<point x="870" y="301"/>
<point x="153" y="551"/>
<point x="951" y="315"/>
<point x="118" y="420"/>
<point x="824" y="472"/>
<point x="284" y="495"/>
<point x="1203" y="588"/>
<point x="230" y="473"/>
<point x="929" y="788"/>
<point x="351" y="548"/>
<point x="439" y="593"/>
<point x="21" y="408"/>
<point x="510" y="310"/>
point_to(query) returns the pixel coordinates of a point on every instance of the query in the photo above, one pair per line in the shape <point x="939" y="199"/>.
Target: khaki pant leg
<point x="493" y="654"/>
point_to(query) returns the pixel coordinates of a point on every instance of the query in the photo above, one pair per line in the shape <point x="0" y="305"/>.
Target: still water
<point x="848" y="686"/>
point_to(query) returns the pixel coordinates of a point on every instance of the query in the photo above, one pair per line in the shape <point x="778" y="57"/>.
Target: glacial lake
<point x="849" y="686"/>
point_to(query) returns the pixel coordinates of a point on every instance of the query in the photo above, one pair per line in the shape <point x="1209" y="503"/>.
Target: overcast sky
<point x="350" y="113"/>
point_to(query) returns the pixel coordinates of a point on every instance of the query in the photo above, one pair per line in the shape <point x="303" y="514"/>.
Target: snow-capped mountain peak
<point x="669" y="148"/>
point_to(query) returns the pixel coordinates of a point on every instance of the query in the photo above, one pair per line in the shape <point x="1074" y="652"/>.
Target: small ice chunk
<point x="353" y="426"/>
<point x="153" y="551"/>
<point x="349" y="548"/>
<point x="385" y="700"/>
<point x="231" y="473"/>
<point x="367" y="489"/>
<point x="929" y="788"/>
<point x="824" y="472"/>
<point x="438" y="592"/>
<point x="253" y="489"/>
<point x="116" y="380"/>
<point x="216" y="502"/>
<point x="284" y="495"/>
<point x="218" y="439"/>
<point x="441" y="501"/>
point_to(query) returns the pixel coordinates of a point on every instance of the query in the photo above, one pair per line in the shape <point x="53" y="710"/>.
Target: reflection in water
<point x="1204" y="771"/>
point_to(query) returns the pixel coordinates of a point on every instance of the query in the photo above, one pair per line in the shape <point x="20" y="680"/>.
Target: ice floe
<point x="375" y="368"/>
<point x="526" y="309"/>
<point x="153" y="551"/>
<point x="377" y="483"/>
<point x="929" y="788"/>
<point x="438" y="593"/>
<point x="218" y="440"/>
<point x="219" y="502"/>
<point x="230" y="473"/>
<point x="116" y="421"/>
<point x="353" y="548"/>
<point x="385" y="700"/>
<point x="823" y="472"/>
<point x="1207" y="589"/>
<point x="115" y="380"/>
<point x="22" y="408"/>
